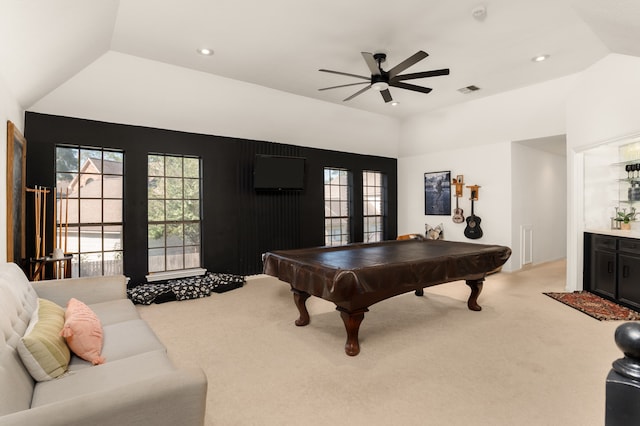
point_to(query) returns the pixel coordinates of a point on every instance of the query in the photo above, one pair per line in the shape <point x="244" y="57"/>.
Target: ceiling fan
<point x="380" y="79"/>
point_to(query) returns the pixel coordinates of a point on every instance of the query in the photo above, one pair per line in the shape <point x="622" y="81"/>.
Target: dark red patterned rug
<point x="595" y="306"/>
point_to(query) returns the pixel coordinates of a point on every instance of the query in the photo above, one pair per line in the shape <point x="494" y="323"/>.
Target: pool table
<point x="356" y="276"/>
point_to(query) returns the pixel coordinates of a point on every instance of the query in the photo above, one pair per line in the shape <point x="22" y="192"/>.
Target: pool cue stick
<point x="66" y="222"/>
<point x="54" y="232"/>
<point x="44" y="223"/>
<point x="37" y="198"/>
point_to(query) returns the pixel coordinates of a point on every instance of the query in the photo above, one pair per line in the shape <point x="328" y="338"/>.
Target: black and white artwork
<point x="437" y="193"/>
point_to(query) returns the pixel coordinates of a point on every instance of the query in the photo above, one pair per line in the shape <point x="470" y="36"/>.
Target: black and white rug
<point x="184" y="288"/>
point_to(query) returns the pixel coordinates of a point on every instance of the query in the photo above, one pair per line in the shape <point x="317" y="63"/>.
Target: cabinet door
<point x="603" y="275"/>
<point x="629" y="279"/>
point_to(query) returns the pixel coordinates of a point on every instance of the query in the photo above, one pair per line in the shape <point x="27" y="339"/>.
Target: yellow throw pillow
<point x="43" y="351"/>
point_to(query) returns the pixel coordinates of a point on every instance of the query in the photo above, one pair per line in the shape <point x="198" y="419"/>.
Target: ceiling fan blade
<point x="386" y="95"/>
<point x="344" y="85"/>
<point x="425" y="74"/>
<point x="345" y="73"/>
<point x="411" y="60"/>
<point x="408" y="86"/>
<point x="359" y="92"/>
<point x="371" y="63"/>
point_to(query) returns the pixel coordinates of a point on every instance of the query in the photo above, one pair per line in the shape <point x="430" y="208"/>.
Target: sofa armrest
<point x="175" y="398"/>
<point x="88" y="290"/>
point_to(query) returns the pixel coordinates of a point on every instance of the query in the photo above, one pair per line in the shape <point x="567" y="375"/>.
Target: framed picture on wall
<point x="16" y="168"/>
<point x="437" y="193"/>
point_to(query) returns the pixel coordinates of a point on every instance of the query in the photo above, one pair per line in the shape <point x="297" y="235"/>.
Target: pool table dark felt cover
<point x="356" y="276"/>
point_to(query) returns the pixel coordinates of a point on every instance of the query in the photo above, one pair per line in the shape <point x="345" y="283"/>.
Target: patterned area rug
<point x="595" y="306"/>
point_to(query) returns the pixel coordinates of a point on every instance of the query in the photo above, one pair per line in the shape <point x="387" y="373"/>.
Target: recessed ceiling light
<point x="204" y="51"/>
<point x="540" y="58"/>
<point x="395" y="103"/>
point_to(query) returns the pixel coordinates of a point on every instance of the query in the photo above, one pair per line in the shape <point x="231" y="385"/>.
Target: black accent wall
<point x="238" y="222"/>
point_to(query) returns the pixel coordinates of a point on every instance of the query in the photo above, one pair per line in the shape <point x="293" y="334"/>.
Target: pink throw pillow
<point x="83" y="332"/>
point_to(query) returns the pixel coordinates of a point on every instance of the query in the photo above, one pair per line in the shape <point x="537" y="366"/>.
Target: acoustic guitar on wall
<point x="473" y="230"/>
<point x="458" y="213"/>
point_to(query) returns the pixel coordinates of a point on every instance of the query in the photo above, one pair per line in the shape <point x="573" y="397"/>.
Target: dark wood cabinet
<point x="612" y="268"/>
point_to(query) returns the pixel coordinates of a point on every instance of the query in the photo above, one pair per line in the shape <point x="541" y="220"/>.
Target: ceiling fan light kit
<point x="380" y="80"/>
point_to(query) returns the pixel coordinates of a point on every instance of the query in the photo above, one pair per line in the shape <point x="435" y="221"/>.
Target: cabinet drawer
<point x="629" y="246"/>
<point x="603" y="242"/>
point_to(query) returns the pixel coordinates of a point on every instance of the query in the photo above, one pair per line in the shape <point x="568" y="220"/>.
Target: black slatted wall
<point x="238" y="222"/>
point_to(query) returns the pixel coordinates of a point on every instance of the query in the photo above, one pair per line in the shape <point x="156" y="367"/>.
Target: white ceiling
<point x="281" y="44"/>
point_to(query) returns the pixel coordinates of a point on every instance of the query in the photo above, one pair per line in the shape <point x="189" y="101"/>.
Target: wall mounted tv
<point x="274" y="172"/>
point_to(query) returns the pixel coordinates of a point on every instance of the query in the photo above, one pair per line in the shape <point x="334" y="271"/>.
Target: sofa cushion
<point x="110" y="375"/>
<point x="42" y="350"/>
<point x="115" y="311"/>
<point x="122" y="340"/>
<point x="83" y="331"/>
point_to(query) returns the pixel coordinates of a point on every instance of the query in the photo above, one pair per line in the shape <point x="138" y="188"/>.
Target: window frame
<point x="169" y="195"/>
<point x="344" y="186"/>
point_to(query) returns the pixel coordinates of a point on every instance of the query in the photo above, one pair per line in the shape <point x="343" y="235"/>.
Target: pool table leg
<point x="476" y="288"/>
<point x="352" y="322"/>
<point x="300" y="299"/>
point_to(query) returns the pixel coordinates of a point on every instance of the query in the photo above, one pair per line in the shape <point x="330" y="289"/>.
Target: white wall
<point x="539" y="202"/>
<point x="125" y="89"/>
<point x="604" y="106"/>
<point x="481" y="132"/>
<point x="527" y="113"/>
<point x="493" y="206"/>
<point x="9" y="110"/>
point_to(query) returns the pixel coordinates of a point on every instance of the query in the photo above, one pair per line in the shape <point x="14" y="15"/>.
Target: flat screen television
<point x="273" y="172"/>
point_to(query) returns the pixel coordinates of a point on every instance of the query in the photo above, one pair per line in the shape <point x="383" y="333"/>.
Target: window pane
<point x="192" y="233"/>
<point x="90" y="185"/>
<point x="173" y="166"/>
<point x="91" y="265"/>
<point x="155" y="165"/>
<point x="175" y="259"/>
<point x="155" y="187"/>
<point x="192" y="167"/>
<point x="174" y="188"/>
<point x="174" y="235"/>
<point x="112" y="186"/>
<point x="156" y="260"/>
<point x="91" y="160"/>
<point x="90" y="211"/>
<point x="155" y="236"/>
<point x="192" y="210"/>
<point x="192" y="188"/>
<point x="192" y="256"/>
<point x="113" y="163"/>
<point x="112" y="264"/>
<point x="174" y="210"/>
<point x="112" y="211"/>
<point x="112" y="237"/>
<point x="66" y="159"/>
<point x="155" y="211"/>
<point x="90" y="238"/>
<point x="337" y="206"/>
<point x="71" y="235"/>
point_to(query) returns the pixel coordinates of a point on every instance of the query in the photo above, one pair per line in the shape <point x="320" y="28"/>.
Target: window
<point x="173" y="228"/>
<point x="373" y="205"/>
<point x="337" y="208"/>
<point x="89" y="188"/>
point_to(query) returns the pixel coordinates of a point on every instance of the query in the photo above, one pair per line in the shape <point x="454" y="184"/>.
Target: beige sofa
<point x="136" y="385"/>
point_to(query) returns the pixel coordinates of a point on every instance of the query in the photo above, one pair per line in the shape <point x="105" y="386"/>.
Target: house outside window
<point x="89" y="204"/>
<point x="337" y="206"/>
<point x="173" y="216"/>
<point x="374" y="190"/>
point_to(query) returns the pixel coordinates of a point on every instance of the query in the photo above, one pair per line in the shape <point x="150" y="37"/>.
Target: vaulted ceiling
<point x="281" y="44"/>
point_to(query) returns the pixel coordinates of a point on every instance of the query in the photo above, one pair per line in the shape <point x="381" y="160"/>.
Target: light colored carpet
<point x="525" y="359"/>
